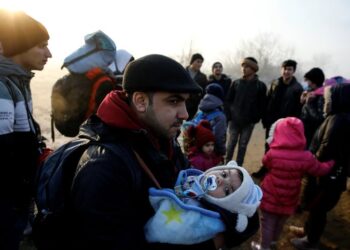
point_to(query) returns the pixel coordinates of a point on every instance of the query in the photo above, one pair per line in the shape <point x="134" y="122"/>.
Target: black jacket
<point x="282" y="101"/>
<point x="109" y="195"/>
<point x="193" y="102"/>
<point x="246" y="101"/>
<point x="312" y="116"/>
<point x="332" y="139"/>
<point x="224" y="82"/>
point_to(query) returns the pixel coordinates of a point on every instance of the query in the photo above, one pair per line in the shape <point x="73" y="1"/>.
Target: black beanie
<point x="20" y="32"/>
<point x="215" y="89"/>
<point x="316" y="76"/>
<point x="158" y="73"/>
<point x="195" y="57"/>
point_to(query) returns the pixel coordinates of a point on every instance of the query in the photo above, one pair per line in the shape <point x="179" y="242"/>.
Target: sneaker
<point x="256" y="246"/>
<point x="297" y="231"/>
<point x="303" y="244"/>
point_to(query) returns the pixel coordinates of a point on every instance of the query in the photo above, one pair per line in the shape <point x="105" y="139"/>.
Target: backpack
<point x="188" y="141"/>
<point x="75" y="97"/>
<point x="78" y="94"/>
<point x="99" y="51"/>
<point x="54" y="183"/>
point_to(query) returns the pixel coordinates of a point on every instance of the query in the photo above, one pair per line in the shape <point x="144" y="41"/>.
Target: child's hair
<point x="198" y="136"/>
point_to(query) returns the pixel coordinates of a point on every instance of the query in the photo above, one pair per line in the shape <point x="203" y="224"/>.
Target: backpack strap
<point x="101" y="78"/>
<point x="138" y="158"/>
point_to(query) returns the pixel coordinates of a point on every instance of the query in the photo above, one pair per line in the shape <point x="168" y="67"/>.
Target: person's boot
<point x="260" y="174"/>
<point x="257" y="246"/>
<point x="303" y="244"/>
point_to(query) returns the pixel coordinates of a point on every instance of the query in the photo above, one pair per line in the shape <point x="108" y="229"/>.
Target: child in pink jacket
<point x="202" y="155"/>
<point x="287" y="161"/>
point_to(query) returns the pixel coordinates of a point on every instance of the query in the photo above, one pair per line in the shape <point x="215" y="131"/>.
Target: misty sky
<point x="317" y="30"/>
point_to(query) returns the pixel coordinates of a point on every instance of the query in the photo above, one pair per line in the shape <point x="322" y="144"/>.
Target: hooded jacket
<point x="287" y="162"/>
<point x="332" y="139"/>
<point x="210" y="103"/>
<point x="110" y="191"/>
<point x="18" y="142"/>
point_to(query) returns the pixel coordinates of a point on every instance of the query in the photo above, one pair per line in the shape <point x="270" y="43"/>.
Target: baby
<point x="182" y="215"/>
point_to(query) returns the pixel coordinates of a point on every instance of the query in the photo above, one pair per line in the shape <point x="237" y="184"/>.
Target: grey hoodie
<point x="18" y="141"/>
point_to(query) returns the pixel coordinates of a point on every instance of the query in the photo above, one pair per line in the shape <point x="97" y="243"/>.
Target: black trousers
<point x="325" y="198"/>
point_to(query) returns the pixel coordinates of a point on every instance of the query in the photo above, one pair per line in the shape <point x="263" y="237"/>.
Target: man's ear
<point x="140" y="101"/>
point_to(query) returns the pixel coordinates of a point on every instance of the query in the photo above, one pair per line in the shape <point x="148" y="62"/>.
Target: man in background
<point x="283" y="100"/>
<point x="194" y="69"/>
<point x="246" y="100"/>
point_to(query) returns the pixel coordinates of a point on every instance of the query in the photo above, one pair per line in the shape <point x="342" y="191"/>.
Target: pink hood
<point x="287" y="133"/>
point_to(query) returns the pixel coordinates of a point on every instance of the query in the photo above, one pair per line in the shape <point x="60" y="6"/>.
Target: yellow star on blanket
<point x="172" y="215"/>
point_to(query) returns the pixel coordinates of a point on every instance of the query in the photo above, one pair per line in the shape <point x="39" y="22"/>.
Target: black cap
<point x="158" y="73"/>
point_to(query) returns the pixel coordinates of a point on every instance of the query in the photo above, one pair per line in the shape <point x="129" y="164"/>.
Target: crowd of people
<point x="118" y="198"/>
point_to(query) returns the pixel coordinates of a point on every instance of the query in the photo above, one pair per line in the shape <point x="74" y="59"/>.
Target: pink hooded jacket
<point x="287" y="162"/>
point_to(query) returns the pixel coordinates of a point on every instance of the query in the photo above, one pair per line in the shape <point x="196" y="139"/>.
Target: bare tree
<point x="185" y="57"/>
<point x="266" y="49"/>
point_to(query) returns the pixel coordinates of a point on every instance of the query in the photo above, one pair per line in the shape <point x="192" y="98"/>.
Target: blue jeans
<point x="242" y="136"/>
<point x="12" y="223"/>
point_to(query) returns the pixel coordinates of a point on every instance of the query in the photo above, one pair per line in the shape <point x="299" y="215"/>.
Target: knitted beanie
<point x="251" y="62"/>
<point x="195" y="57"/>
<point x="245" y="200"/>
<point x="203" y="134"/>
<point x="316" y="76"/>
<point x="215" y="89"/>
<point x="158" y="73"/>
<point x="20" y="32"/>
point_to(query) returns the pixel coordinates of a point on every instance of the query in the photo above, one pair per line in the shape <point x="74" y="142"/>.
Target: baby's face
<point x="227" y="182"/>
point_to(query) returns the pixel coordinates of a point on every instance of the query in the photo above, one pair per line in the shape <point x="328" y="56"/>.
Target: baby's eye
<point x="223" y="174"/>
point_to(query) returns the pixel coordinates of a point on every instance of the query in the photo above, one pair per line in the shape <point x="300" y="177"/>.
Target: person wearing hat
<point x="109" y="194"/>
<point x="203" y="155"/>
<point x="194" y="69"/>
<point x="283" y="100"/>
<point x="246" y="100"/>
<point x="196" y="195"/>
<point x="24" y="43"/>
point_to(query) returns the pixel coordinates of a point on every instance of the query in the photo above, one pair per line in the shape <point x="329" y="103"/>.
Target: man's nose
<point x="183" y="114"/>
